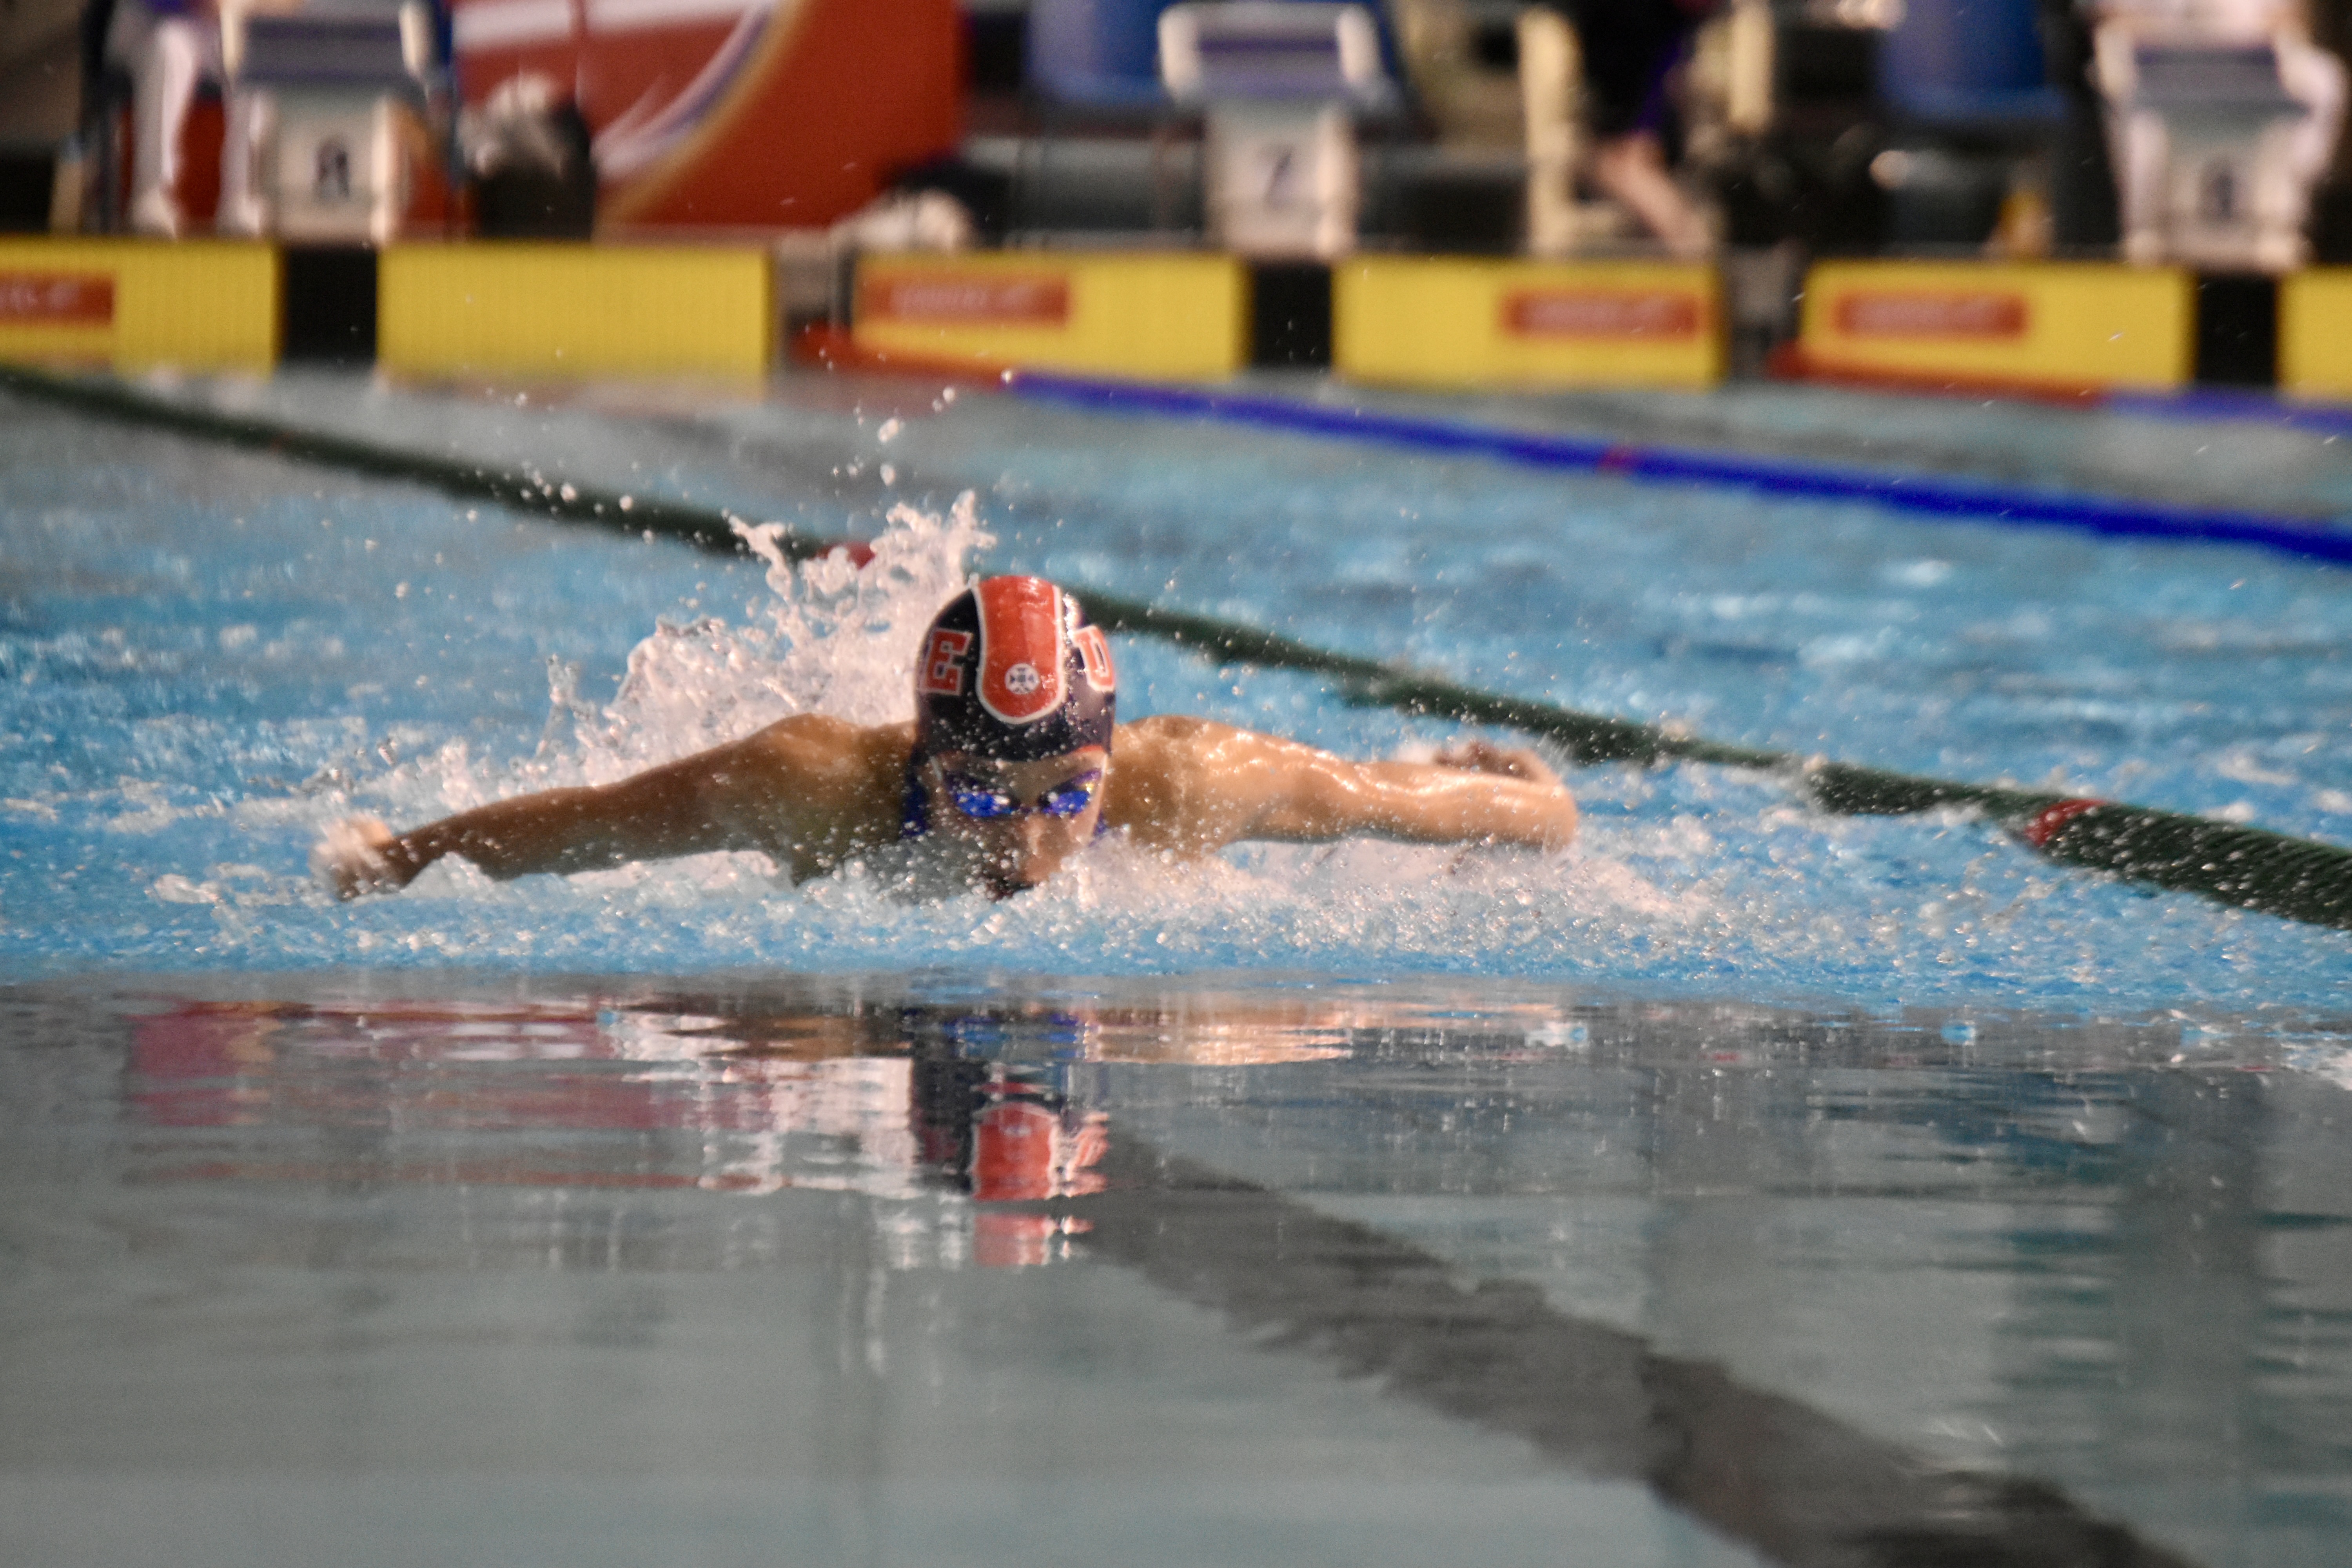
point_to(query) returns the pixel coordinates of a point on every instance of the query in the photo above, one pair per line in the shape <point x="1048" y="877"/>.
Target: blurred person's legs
<point x="2143" y="165"/>
<point x="1633" y="169"/>
<point x="1629" y="48"/>
<point x="168" y="54"/>
<point x="250" y="112"/>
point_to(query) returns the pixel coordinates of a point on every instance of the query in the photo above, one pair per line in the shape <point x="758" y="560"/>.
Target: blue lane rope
<point x="1938" y="496"/>
<point x="2233" y="405"/>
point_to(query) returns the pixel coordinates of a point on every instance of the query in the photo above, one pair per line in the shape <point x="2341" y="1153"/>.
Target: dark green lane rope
<point x="516" y="489"/>
<point x="2299" y="878"/>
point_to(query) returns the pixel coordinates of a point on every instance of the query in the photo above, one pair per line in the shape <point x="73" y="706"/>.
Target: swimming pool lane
<point x="1213" y="1271"/>
<point x="1360" y="1204"/>
<point x="212" y="654"/>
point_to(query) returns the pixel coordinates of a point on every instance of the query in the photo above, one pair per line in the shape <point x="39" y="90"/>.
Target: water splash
<point x="1691" y="879"/>
<point x="837" y="637"/>
<point x="833" y="636"/>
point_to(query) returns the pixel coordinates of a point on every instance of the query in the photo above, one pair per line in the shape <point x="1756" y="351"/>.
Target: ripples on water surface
<point x="206" y="657"/>
<point x="1835" y="1152"/>
<point x="904" y="1270"/>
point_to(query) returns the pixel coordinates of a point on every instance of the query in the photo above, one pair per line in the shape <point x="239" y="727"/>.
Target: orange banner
<point x="1931" y="314"/>
<point x="56" y="298"/>
<point x="967" y="299"/>
<point x="1602" y="313"/>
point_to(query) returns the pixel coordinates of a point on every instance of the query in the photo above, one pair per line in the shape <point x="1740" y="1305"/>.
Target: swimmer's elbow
<point x="1500" y="811"/>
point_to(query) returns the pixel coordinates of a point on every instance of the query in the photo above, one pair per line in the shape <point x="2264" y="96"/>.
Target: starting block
<point x="1282" y="83"/>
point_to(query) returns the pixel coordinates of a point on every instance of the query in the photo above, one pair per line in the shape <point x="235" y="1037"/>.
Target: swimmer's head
<point x="1013" y="670"/>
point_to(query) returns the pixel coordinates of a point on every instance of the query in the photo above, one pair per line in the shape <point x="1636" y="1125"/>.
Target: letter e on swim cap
<point x="1013" y="669"/>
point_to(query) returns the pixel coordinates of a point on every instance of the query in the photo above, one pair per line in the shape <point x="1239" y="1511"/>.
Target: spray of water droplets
<point x="833" y="636"/>
<point x="1688" y="880"/>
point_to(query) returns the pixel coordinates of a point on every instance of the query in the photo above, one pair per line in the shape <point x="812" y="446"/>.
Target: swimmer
<point x="1004" y="774"/>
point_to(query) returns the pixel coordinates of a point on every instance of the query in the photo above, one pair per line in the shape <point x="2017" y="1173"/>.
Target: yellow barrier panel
<point x="1460" y="324"/>
<point x="1131" y="313"/>
<point x="132" y="303"/>
<point x="2063" y="326"/>
<point x="2314" y="334"/>
<point x="574" y="310"/>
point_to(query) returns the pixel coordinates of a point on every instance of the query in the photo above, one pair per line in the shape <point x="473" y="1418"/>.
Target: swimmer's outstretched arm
<point x="1193" y="785"/>
<point x="801" y="788"/>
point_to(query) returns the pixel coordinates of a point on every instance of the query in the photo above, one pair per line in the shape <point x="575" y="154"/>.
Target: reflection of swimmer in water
<point x="1006" y="771"/>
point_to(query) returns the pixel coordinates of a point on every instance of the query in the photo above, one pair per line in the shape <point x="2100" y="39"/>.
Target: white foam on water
<point x="832" y="637"/>
<point x="1691" y="879"/>
<point x="837" y="639"/>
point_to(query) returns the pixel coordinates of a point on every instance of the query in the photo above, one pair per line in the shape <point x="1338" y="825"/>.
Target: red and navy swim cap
<point x="1011" y="669"/>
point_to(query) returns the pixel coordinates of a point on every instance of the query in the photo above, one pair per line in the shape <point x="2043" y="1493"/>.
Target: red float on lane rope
<point x="2051" y="818"/>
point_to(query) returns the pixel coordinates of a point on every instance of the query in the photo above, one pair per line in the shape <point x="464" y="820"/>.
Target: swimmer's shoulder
<point x="821" y="741"/>
<point x="1178" y="741"/>
<point x="1165" y="772"/>
<point x="850" y="775"/>
<point x="1165" y="746"/>
<point x="1169" y="733"/>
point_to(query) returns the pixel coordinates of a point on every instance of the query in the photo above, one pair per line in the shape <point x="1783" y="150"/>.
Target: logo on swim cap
<point x="1011" y="669"/>
<point x="1022" y="638"/>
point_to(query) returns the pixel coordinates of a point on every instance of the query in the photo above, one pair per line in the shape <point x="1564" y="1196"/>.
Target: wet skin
<point x="814" y="793"/>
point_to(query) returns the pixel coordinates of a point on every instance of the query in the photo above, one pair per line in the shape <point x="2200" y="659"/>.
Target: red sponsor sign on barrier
<point x="1931" y="314"/>
<point x="56" y="298"/>
<point x="966" y="300"/>
<point x="1602" y="313"/>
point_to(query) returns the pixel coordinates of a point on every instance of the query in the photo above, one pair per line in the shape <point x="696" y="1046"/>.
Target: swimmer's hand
<point x="1511" y="762"/>
<point x="1552" y="808"/>
<point x="358" y="856"/>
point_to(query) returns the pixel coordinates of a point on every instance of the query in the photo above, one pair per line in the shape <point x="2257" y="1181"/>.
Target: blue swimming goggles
<point x="986" y="803"/>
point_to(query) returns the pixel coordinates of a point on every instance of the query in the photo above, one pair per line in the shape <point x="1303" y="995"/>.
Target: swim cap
<point x="1011" y="669"/>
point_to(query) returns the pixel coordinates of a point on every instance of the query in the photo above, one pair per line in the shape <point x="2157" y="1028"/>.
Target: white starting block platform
<point x="335" y="101"/>
<point x="2217" y="142"/>
<point x="1281" y="85"/>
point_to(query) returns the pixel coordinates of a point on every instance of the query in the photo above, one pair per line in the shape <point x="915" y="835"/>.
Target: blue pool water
<point x="210" y="656"/>
<point x="1744" y="1185"/>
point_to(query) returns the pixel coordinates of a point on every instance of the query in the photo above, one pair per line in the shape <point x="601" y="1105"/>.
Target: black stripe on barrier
<point x="2301" y="879"/>
<point x="327" y="304"/>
